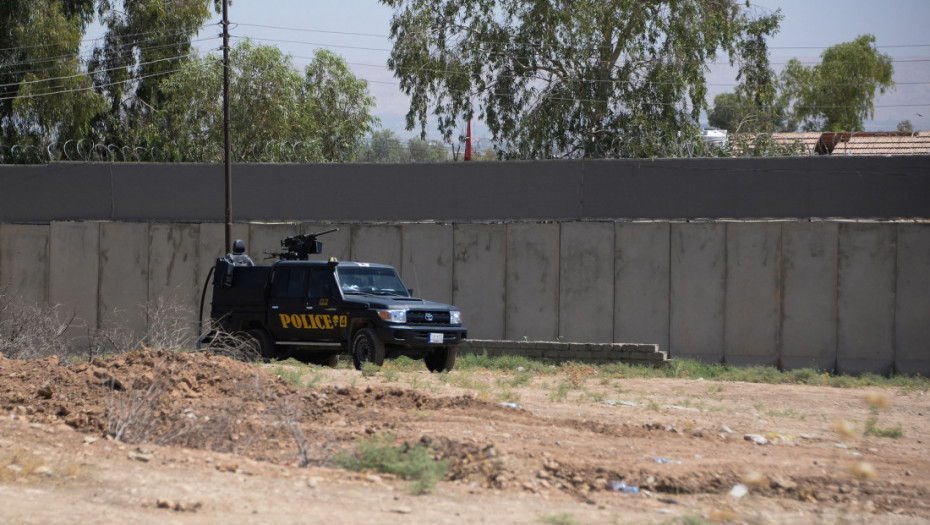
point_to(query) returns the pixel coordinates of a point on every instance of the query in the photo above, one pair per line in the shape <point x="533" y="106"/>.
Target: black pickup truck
<point x="322" y="309"/>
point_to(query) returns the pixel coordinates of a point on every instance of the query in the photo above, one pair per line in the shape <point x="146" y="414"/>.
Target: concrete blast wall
<point x="843" y="296"/>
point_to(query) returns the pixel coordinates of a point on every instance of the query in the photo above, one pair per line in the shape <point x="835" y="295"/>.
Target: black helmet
<point x="239" y="246"/>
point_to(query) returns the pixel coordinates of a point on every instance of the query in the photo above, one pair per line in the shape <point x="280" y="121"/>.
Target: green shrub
<point x="410" y="462"/>
<point x="370" y="369"/>
<point x="872" y="429"/>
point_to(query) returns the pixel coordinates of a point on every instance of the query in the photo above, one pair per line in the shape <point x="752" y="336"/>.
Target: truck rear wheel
<point x="261" y="345"/>
<point x="367" y="348"/>
<point x="440" y="359"/>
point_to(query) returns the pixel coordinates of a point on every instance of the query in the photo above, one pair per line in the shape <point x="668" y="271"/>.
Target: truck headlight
<point x="455" y="317"/>
<point x="393" y="316"/>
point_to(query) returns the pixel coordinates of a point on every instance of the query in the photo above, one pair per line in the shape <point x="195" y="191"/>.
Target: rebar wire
<point x="619" y="147"/>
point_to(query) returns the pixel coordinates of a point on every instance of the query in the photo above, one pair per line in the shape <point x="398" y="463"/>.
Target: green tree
<point x="837" y="94"/>
<point x="44" y="93"/>
<point x="145" y="41"/>
<point x="427" y="151"/>
<point x="754" y="105"/>
<point x="385" y="147"/>
<point x="905" y="125"/>
<point x="339" y="104"/>
<point x="276" y="113"/>
<point x="582" y="78"/>
<point x="729" y="112"/>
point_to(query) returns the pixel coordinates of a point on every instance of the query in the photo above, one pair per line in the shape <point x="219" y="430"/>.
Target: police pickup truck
<point x="321" y="309"/>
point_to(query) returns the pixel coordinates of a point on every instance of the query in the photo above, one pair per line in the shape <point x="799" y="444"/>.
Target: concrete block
<point x="478" y="277"/>
<point x="73" y="272"/>
<point x="586" y="282"/>
<point x="532" y="281"/>
<point x="173" y="281"/>
<point x="641" y="282"/>
<point x="377" y="243"/>
<point x="808" y="285"/>
<point x="912" y="300"/>
<point x="266" y="237"/>
<point x="698" y="270"/>
<point x="428" y="260"/>
<point x="752" y="299"/>
<point x="123" y="289"/>
<point x="336" y="244"/>
<point x="24" y="264"/>
<point x="866" y="298"/>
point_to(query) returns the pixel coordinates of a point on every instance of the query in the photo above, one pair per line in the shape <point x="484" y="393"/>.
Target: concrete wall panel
<point x="586" y="283"/>
<point x="866" y="298"/>
<point x="698" y="272"/>
<point x="752" y="295"/>
<point x="427" y="260"/>
<point x="808" y="324"/>
<point x="24" y="264"/>
<point x="532" y="310"/>
<point x="173" y="278"/>
<point x="912" y="307"/>
<point x="123" y="288"/>
<point x="641" y="283"/>
<point x="74" y="254"/>
<point x="378" y="243"/>
<point x="479" y="278"/>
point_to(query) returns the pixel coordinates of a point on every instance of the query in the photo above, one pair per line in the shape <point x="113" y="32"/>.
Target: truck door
<point x="288" y="303"/>
<point x="305" y="307"/>
<point x="326" y="314"/>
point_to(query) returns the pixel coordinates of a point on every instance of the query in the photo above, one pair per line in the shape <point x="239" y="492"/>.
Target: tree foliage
<point x="144" y="41"/>
<point x="837" y="94"/>
<point x="145" y="92"/>
<point x="44" y="94"/>
<point x="385" y="147"/>
<point x="322" y="115"/>
<point x="569" y="78"/>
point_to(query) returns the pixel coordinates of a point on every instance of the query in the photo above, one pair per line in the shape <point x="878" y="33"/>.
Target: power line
<point x="716" y="62"/>
<point x="97" y="39"/>
<point x="98" y="86"/>
<point x="610" y="81"/>
<point x="349" y="33"/>
<point x="88" y="74"/>
<point x="40" y="60"/>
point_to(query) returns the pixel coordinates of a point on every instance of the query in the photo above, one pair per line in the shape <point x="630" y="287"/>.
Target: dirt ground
<point x="205" y="439"/>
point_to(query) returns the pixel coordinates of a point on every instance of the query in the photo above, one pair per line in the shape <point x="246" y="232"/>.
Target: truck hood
<point x="387" y="302"/>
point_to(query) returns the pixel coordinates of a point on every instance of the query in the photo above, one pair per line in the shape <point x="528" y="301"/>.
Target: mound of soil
<point x="591" y="449"/>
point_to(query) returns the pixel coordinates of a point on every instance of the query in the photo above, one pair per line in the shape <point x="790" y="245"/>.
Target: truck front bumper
<point x="419" y="335"/>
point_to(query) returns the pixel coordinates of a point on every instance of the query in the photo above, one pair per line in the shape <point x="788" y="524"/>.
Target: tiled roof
<point x="882" y="143"/>
<point x="808" y="139"/>
<point x="860" y="143"/>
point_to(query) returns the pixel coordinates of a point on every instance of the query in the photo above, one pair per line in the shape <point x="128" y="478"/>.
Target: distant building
<point x="859" y="143"/>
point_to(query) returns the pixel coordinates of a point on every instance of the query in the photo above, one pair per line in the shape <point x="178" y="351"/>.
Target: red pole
<point x="468" y="143"/>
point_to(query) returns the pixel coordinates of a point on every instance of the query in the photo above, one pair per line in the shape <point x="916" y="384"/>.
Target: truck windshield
<point x="367" y="280"/>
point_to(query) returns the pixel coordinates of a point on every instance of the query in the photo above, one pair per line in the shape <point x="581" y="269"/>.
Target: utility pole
<point x="226" y="153"/>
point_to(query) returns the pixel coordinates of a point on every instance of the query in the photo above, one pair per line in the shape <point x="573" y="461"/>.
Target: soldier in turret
<point x="238" y="257"/>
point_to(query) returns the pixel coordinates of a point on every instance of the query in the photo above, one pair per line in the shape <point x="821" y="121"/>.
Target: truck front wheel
<point x="367" y="348"/>
<point x="440" y="359"/>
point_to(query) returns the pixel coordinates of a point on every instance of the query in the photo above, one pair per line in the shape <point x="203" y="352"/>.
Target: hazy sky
<point x="901" y="28"/>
